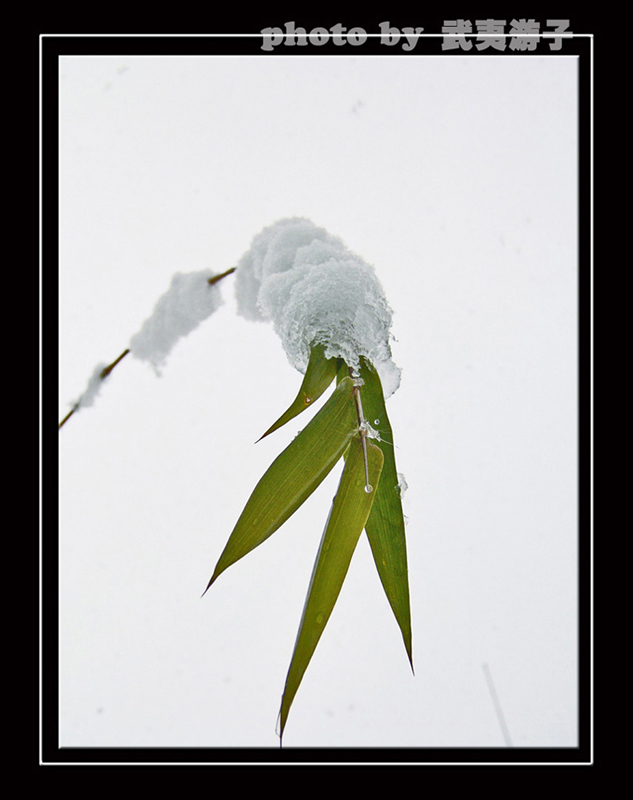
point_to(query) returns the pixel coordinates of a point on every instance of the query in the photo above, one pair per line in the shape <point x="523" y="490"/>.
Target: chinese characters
<point x="522" y="34"/>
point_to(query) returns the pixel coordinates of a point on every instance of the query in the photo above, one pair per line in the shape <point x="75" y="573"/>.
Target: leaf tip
<point x="213" y="577"/>
<point x="264" y="435"/>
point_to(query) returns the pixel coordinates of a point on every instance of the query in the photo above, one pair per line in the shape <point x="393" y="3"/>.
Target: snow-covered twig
<point x="190" y="299"/>
<point x="295" y="274"/>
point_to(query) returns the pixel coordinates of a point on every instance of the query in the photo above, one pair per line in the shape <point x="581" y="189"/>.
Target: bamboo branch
<point x="103" y="375"/>
<point x="107" y="370"/>
<point x="219" y="277"/>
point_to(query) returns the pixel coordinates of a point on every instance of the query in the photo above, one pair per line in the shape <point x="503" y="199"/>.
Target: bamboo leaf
<point x="348" y="516"/>
<point x="293" y="476"/>
<point x="385" y="526"/>
<point x="319" y="375"/>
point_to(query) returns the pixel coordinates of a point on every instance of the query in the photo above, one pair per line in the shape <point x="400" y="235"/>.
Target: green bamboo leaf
<point x="385" y="526"/>
<point x="319" y="375"/>
<point x="293" y="476"/>
<point x="342" y="370"/>
<point x="348" y="516"/>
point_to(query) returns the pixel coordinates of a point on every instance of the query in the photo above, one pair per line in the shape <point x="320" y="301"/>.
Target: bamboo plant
<point x="352" y="426"/>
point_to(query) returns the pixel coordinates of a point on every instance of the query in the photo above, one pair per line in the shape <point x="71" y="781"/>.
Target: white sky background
<point x="455" y="178"/>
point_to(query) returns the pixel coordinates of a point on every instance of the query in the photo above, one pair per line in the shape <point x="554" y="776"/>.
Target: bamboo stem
<point x="108" y="370"/>
<point x="362" y="429"/>
<point x="67" y="417"/>
<point x="219" y="277"/>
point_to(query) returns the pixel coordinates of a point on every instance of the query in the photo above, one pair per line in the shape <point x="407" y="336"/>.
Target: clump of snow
<point x="93" y="388"/>
<point x="402" y="484"/>
<point x="315" y="291"/>
<point x="189" y="300"/>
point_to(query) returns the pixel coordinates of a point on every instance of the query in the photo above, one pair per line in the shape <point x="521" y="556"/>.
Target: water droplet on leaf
<point x="369" y="489"/>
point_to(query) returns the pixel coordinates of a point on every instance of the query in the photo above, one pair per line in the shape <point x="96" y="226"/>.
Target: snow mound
<point x="315" y="291"/>
<point x="189" y="300"/>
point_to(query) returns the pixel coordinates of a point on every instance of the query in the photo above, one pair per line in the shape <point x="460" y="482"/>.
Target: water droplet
<point x="369" y="488"/>
<point x="376" y="422"/>
<point x="308" y="400"/>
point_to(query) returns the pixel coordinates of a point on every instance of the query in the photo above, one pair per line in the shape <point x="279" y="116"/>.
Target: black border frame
<point x="51" y="48"/>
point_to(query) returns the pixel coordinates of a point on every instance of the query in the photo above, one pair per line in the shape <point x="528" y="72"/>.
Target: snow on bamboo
<point x="314" y="290"/>
<point x="295" y="275"/>
<point x="188" y="302"/>
<point x="93" y="388"/>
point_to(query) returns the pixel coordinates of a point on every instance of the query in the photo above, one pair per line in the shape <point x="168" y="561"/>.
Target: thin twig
<point x="497" y="705"/>
<point x="219" y="277"/>
<point x="103" y="374"/>
<point x="108" y="370"/>
<point x="68" y="416"/>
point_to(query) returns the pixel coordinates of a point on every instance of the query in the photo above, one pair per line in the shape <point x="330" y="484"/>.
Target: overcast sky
<point x="456" y="179"/>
